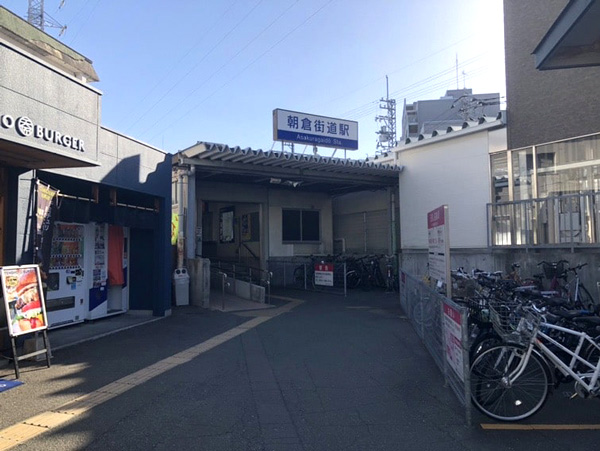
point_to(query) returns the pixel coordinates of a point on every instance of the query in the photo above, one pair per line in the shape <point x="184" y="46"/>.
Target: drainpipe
<point x="181" y="235"/>
<point x="393" y="220"/>
<point x="191" y="217"/>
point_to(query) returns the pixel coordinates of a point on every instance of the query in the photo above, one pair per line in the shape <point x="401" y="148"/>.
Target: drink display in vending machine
<point x="67" y="291"/>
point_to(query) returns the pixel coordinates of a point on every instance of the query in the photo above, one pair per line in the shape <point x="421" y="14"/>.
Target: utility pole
<point x="387" y="132"/>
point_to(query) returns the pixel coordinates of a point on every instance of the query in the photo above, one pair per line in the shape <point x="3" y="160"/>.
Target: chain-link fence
<point x="309" y="274"/>
<point x="442" y="325"/>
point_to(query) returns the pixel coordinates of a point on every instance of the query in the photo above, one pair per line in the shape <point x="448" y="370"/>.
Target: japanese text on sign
<point x="453" y="340"/>
<point x="305" y="128"/>
<point x="324" y="274"/>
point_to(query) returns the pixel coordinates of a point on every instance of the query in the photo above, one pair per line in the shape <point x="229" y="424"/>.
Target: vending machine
<point x="96" y="260"/>
<point x="66" y="297"/>
<point x="107" y="297"/>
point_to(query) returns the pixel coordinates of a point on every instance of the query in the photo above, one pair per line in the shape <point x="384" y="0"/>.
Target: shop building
<point x="90" y="205"/>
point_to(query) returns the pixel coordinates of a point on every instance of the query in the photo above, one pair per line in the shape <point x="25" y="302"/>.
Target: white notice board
<point x="439" y="245"/>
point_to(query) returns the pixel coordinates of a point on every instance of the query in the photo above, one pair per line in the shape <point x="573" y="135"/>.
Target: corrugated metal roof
<point x="273" y="158"/>
<point x="320" y="172"/>
<point x="466" y="125"/>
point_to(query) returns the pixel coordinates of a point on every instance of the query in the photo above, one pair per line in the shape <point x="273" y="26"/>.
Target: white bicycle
<point x="511" y="381"/>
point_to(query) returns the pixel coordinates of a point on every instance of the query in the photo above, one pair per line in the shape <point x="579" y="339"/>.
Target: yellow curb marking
<point x="539" y="427"/>
<point x="37" y="425"/>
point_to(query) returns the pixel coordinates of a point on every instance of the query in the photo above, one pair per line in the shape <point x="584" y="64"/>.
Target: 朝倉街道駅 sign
<point x="303" y="128"/>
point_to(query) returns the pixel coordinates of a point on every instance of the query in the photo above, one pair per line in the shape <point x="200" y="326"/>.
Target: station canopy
<point x="294" y="171"/>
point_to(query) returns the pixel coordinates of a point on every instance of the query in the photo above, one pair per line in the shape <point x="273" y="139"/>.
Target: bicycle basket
<point x="513" y="321"/>
<point x="478" y="309"/>
<point x="553" y="269"/>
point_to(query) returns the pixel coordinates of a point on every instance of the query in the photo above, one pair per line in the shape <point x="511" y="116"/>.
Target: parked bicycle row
<point x="526" y="340"/>
<point x="366" y="271"/>
<point x="558" y="279"/>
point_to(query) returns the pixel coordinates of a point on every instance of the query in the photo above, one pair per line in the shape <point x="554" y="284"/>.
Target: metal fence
<point x="442" y="325"/>
<point x="303" y="274"/>
<point x="568" y="220"/>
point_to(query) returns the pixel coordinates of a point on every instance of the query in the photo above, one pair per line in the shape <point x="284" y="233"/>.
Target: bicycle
<point x="575" y="291"/>
<point x="304" y="274"/>
<point x="354" y="272"/>
<point x="511" y="381"/>
<point x="391" y="276"/>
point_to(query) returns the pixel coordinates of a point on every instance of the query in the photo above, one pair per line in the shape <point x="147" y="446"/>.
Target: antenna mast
<point x="37" y="16"/>
<point x="387" y="132"/>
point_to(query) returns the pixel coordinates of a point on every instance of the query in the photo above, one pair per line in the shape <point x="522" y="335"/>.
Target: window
<point x="300" y="225"/>
<point x="499" y="177"/>
<point x="522" y="171"/>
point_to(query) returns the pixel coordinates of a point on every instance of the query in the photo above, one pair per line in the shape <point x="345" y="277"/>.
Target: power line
<point x="406" y="66"/>
<point x="371" y="107"/>
<point x="239" y="72"/>
<point x="192" y="69"/>
<point x="74" y="36"/>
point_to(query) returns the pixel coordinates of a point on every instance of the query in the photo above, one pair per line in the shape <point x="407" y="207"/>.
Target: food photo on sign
<point x="23" y="299"/>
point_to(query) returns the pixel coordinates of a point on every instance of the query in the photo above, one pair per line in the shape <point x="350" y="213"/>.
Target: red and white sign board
<point x="439" y="246"/>
<point x="453" y="340"/>
<point x="324" y="274"/>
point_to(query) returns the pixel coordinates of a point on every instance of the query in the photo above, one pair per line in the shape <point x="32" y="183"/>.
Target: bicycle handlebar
<point x="552" y="263"/>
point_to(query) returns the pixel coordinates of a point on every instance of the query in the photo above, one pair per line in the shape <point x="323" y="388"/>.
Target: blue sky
<point x="176" y="72"/>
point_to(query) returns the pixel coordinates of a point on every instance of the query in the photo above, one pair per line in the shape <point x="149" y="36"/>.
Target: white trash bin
<point x="181" y="283"/>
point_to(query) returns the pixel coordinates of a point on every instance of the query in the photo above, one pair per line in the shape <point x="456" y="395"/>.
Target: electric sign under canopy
<point x="303" y="128"/>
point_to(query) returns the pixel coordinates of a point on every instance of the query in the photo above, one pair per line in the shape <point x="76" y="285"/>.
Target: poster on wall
<point x="226" y="234"/>
<point x="23" y="299"/>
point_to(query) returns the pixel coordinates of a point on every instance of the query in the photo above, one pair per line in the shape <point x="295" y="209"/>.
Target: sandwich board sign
<point x="24" y="307"/>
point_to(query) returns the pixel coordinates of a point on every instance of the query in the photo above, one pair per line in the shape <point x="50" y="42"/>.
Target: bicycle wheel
<point x="299" y="277"/>
<point x="496" y="392"/>
<point x="486" y="339"/>
<point x="585" y="299"/>
<point x="352" y="279"/>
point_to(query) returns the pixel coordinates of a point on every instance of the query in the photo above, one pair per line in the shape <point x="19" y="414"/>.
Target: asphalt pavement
<point x="310" y="372"/>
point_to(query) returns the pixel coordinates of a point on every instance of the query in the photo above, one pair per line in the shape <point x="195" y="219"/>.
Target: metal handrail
<point x="245" y="273"/>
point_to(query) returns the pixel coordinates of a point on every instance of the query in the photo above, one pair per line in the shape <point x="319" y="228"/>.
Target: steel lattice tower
<point x="37" y="16"/>
<point x="387" y="133"/>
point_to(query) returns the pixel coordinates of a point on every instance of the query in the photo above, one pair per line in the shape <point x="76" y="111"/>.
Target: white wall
<point x="279" y="199"/>
<point x="273" y="201"/>
<point x="361" y="201"/>
<point x="453" y="171"/>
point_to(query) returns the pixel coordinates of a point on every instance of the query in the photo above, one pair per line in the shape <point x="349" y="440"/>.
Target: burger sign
<point x="23" y="299"/>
